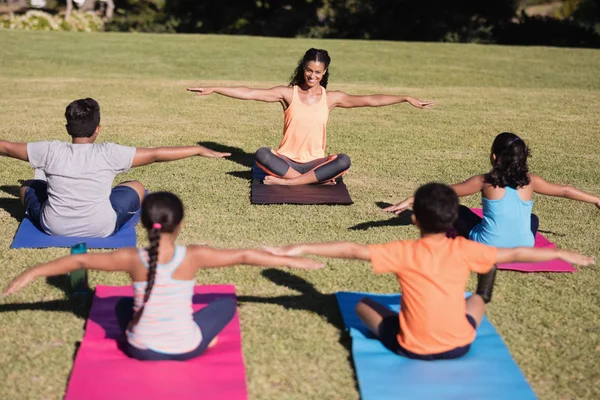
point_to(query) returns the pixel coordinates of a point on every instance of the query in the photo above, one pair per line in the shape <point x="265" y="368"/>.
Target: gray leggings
<point x="325" y="168"/>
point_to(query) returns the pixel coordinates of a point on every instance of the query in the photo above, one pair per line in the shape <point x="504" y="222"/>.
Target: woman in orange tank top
<point x="300" y="158"/>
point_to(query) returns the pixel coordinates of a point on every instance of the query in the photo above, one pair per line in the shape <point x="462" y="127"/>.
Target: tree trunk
<point x="69" y="10"/>
<point x="110" y="9"/>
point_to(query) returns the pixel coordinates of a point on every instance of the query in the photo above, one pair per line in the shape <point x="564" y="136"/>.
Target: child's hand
<point x="576" y="258"/>
<point x="19" y="283"/>
<point x="214" y="154"/>
<point x="398" y="208"/>
<point x="201" y="91"/>
<point x="292" y="250"/>
<point x="304" y="263"/>
<point x="419" y="104"/>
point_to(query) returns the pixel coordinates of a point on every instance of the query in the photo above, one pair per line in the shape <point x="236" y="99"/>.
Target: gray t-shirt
<point x="80" y="178"/>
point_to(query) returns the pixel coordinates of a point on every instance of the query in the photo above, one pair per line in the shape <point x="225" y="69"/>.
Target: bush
<point x="544" y="31"/>
<point x="34" y="20"/>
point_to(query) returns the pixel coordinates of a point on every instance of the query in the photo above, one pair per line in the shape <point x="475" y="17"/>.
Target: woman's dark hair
<point x="161" y="212"/>
<point x="316" y="55"/>
<point x="83" y="117"/>
<point x="510" y="166"/>
<point x="435" y="207"/>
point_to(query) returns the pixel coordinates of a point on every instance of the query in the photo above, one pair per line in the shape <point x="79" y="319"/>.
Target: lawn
<point x="293" y="342"/>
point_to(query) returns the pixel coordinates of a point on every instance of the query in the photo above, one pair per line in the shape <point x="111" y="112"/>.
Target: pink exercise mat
<point x="544" y="266"/>
<point x="103" y="371"/>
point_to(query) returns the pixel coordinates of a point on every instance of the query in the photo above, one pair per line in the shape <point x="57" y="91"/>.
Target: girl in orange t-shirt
<point x="300" y="158"/>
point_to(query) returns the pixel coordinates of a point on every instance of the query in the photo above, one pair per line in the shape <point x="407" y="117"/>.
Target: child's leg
<point x="467" y="219"/>
<point x="535" y="223"/>
<point x="476" y="308"/>
<point x="372" y="314"/>
<point x="212" y="319"/>
<point x="33" y="194"/>
<point x="485" y="284"/>
<point x="126" y="199"/>
<point x="124" y="311"/>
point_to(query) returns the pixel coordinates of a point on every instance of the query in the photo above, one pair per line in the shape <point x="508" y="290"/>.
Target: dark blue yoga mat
<point x="486" y="372"/>
<point x="28" y="236"/>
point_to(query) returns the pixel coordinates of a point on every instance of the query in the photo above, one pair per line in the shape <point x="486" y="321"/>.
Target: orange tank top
<point x="305" y="129"/>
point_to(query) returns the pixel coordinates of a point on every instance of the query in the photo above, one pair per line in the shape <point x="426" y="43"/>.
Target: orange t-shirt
<point x="305" y="129"/>
<point x="433" y="275"/>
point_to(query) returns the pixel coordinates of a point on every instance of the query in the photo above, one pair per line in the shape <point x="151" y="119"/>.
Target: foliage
<point x="34" y="20"/>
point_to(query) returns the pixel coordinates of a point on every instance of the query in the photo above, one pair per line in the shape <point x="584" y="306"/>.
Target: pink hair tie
<point x="156" y="225"/>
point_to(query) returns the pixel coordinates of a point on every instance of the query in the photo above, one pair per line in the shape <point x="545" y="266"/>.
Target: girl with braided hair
<point x="300" y="158"/>
<point x="159" y="321"/>
<point x="506" y="196"/>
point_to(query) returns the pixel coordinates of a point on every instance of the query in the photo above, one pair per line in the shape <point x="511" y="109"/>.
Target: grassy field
<point x="294" y="344"/>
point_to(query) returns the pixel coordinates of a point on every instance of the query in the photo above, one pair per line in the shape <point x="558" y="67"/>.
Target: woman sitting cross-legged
<point x="300" y="158"/>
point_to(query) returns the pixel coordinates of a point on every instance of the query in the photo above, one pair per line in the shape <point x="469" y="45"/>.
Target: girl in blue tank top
<point x="159" y="322"/>
<point x="506" y="196"/>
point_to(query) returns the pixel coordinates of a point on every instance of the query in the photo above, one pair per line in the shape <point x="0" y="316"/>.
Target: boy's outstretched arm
<point x="145" y="156"/>
<point x="544" y="187"/>
<point x="120" y="260"/>
<point x="332" y="249"/>
<point x="14" y="150"/>
<point x="208" y="257"/>
<point x="530" y="254"/>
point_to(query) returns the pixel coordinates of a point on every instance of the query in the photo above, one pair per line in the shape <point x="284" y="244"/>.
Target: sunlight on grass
<point x="294" y="346"/>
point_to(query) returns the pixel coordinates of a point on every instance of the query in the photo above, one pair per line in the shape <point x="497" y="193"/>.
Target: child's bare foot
<point x="213" y="342"/>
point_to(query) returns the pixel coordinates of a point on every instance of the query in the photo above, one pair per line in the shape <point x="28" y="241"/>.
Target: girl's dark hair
<point x="161" y="212"/>
<point x="510" y="166"/>
<point x="316" y="55"/>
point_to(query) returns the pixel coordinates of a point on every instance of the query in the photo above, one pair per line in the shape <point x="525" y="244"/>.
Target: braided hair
<point x="312" y="54"/>
<point x="161" y="212"/>
<point x="510" y="166"/>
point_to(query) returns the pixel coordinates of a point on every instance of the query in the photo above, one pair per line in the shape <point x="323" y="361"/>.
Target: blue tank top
<point x="506" y="222"/>
<point x="167" y="324"/>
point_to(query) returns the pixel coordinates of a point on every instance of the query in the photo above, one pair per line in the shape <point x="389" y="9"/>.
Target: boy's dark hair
<point x="435" y="207"/>
<point x="83" y="117"/>
<point x="161" y="212"/>
<point x="312" y="54"/>
<point x="510" y="166"/>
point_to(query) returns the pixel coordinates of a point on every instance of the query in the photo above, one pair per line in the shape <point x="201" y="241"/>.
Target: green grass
<point x="293" y="344"/>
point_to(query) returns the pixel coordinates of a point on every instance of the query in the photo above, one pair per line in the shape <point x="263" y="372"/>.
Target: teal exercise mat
<point x="487" y="371"/>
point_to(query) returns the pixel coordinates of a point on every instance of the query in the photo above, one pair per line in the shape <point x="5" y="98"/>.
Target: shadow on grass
<point x="13" y="207"/>
<point x="238" y="156"/>
<point x="79" y="306"/>
<point x="323" y="304"/>
<point x="402" y="219"/>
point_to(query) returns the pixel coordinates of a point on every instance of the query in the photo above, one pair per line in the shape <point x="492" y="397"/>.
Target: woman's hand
<point x="201" y="91"/>
<point x="19" y="283"/>
<point x="419" y="104"/>
<point x="399" y="207"/>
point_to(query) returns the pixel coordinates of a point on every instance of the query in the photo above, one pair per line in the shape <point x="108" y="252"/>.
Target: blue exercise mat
<point x="487" y="371"/>
<point x="28" y="236"/>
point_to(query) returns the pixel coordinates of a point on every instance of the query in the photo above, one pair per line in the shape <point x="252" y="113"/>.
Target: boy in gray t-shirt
<point x="76" y="198"/>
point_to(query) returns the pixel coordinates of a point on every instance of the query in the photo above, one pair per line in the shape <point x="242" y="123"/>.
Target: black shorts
<point x="388" y="334"/>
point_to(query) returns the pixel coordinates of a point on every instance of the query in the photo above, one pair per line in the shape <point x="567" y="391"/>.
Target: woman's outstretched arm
<point x="541" y="186"/>
<point x="272" y="95"/>
<point x="343" y="100"/>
